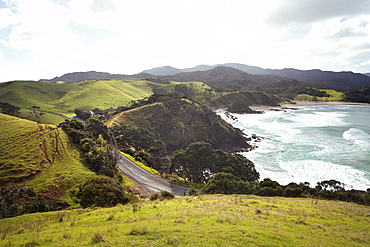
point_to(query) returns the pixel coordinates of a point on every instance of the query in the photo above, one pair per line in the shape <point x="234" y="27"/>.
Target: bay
<point x="311" y="144"/>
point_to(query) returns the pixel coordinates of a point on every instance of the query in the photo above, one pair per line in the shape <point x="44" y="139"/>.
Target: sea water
<point x="311" y="144"/>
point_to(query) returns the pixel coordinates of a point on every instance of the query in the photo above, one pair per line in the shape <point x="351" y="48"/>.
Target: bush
<point x="225" y="183"/>
<point x="167" y="195"/>
<point x="154" y="196"/>
<point x="292" y="192"/>
<point x="101" y="191"/>
<point x="161" y="196"/>
<point x="268" y="191"/>
<point x="193" y="192"/>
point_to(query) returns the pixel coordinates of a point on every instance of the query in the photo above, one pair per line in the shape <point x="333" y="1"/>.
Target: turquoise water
<point x="311" y="144"/>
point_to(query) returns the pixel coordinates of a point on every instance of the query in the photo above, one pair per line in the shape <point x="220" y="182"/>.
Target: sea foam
<point x="357" y="136"/>
<point x="311" y="144"/>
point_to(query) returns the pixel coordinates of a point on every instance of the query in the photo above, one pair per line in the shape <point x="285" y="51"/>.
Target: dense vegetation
<point x="227" y="183"/>
<point x="9" y="109"/>
<point x="199" y="162"/>
<point x="92" y="139"/>
<point x="101" y="191"/>
<point x="16" y="201"/>
<point x="179" y="122"/>
<point x="358" y="95"/>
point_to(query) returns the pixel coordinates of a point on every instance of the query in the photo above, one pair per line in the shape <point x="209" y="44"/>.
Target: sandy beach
<point x="304" y="103"/>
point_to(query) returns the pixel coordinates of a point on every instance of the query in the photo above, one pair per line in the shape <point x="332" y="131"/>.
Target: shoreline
<point x="304" y="103"/>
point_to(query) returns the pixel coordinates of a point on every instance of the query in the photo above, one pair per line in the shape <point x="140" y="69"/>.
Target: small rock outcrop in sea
<point x="252" y="141"/>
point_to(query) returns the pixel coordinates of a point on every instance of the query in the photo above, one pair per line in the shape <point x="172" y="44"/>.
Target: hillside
<point x="180" y="122"/>
<point x="222" y="74"/>
<point x="38" y="155"/>
<point x="239" y="102"/>
<point x="57" y="99"/>
<point x="65" y="97"/>
<point x="84" y="76"/>
<point x="197" y="221"/>
<point x="53" y="100"/>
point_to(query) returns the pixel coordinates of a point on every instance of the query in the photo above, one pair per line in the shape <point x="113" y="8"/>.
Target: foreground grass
<point x="197" y="221"/>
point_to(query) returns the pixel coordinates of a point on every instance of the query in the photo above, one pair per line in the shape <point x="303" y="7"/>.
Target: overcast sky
<point x="41" y="39"/>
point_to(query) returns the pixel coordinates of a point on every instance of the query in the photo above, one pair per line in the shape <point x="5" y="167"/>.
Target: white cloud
<point x="46" y="38"/>
<point x="293" y="12"/>
<point x="2" y="58"/>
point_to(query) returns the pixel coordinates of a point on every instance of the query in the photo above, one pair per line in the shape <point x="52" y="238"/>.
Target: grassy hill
<point x="56" y="99"/>
<point x="333" y="96"/>
<point x="38" y="155"/>
<point x="196" y="221"/>
<point x="65" y="97"/>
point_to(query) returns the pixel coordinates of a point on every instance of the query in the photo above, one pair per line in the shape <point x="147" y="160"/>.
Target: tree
<point x="36" y="110"/>
<point x="194" y="162"/>
<point x="199" y="162"/>
<point x="101" y="191"/>
<point x="97" y="127"/>
<point x="9" y="109"/>
<point x="238" y="165"/>
<point x="225" y="183"/>
<point x="83" y="114"/>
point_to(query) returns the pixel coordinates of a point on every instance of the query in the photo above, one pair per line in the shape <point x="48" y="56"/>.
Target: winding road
<point x="149" y="182"/>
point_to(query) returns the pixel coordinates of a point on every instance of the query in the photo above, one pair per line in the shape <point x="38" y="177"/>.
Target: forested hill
<point x="222" y="73"/>
<point x="313" y="77"/>
<point x="180" y="122"/>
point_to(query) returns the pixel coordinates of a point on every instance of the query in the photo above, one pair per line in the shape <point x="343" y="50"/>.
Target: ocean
<point x="311" y="144"/>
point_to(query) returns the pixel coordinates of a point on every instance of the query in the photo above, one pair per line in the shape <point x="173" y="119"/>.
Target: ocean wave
<point x="357" y="136"/>
<point x="314" y="171"/>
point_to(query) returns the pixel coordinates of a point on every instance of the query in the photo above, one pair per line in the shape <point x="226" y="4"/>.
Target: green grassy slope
<point x="65" y="97"/>
<point x="38" y="155"/>
<point x="334" y="96"/>
<point x="197" y="221"/>
<point x="57" y="99"/>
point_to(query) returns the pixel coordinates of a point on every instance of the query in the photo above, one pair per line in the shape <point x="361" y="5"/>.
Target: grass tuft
<point x="97" y="238"/>
<point x="139" y="230"/>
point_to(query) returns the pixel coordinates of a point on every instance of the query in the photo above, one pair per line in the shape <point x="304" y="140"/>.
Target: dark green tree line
<point x="199" y="162"/>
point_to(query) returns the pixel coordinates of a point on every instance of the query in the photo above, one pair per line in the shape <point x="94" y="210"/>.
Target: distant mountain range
<point x="314" y="77"/>
<point x="232" y="72"/>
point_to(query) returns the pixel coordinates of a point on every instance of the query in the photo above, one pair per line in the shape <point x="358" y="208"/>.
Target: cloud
<point x="2" y="58"/>
<point x="305" y="12"/>
<point x="46" y="38"/>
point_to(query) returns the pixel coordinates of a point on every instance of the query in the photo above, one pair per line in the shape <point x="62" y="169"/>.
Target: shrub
<point x="193" y="192"/>
<point x="268" y="191"/>
<point x="162" y="195"/>
<point x="292" y="192"/>
<point x="167" y="195"/>
<point x="101" y="191"/>
<point x="154" y="196"/>
<point x="225" y="183"/>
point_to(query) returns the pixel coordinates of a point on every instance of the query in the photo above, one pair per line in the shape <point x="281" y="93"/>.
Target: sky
<point x="42" y="39"/>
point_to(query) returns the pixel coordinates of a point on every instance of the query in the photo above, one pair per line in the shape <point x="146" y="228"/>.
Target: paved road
<point x="149" y="182"/>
